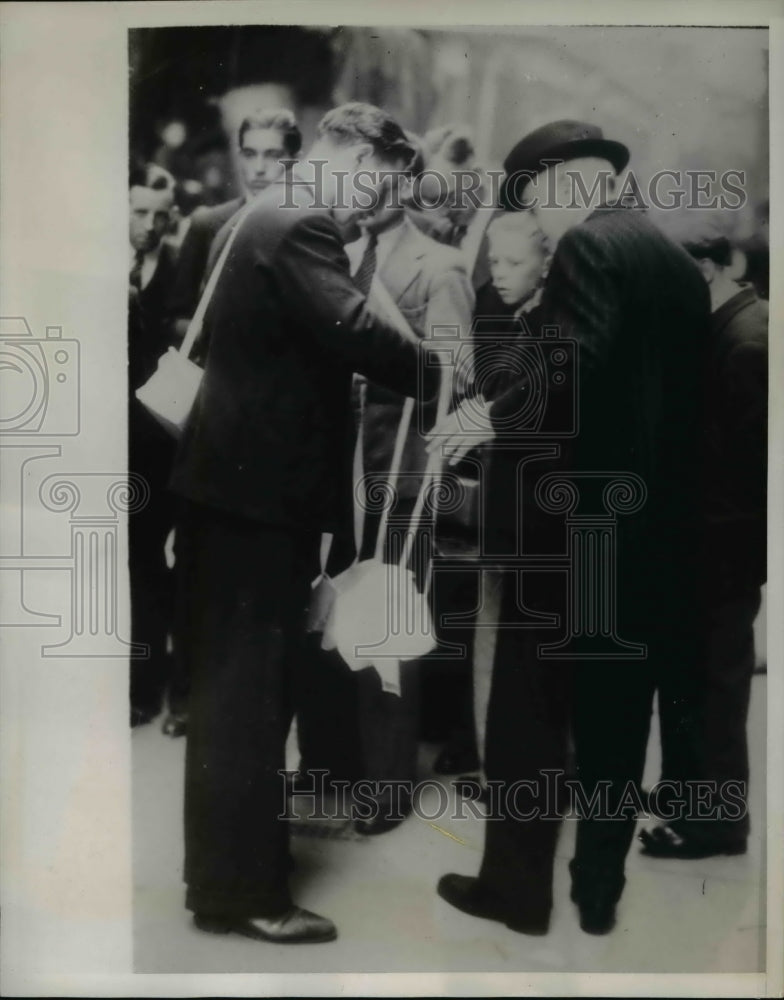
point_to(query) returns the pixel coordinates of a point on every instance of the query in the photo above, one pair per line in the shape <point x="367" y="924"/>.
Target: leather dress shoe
<point x="175" y="724"/>
<point x="295" y="926"/>
<point x="597" y="915"/>
<point x="663" y="841"/>
<point x="596" y="899"/>
<point x="469" y="895"/>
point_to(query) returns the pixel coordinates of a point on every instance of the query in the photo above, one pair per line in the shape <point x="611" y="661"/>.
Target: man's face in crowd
<point x="149" y="219"/>
<point x="447" y="190"/>
<point x="261" y="153"/>
<point x="516" y="262"/>
<point x="559" y="202"/>
<point x="353" y="179"/>
<point x="394" y="190"/>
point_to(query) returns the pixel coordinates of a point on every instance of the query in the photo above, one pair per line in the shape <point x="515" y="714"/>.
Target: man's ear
<point x="737" y="268"/>
<point x="405" y="188"/>
<point x="708" y="268"/>
<point x="363" y="155"/>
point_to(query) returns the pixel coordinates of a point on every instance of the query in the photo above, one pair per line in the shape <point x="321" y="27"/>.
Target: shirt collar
<point x="151" y="255"/>
<point x="386" y="241"/>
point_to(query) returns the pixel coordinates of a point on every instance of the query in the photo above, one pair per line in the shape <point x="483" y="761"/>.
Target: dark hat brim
<point x="517" y="177"/>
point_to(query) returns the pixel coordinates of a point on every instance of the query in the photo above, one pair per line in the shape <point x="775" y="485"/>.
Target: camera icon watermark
<point x="39" y="381"/>
<point x="535" y="369"/>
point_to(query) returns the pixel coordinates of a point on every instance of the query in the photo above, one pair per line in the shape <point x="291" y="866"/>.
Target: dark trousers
<point x="327" y="713"/>
<point x="533" y="703"/>
<point x="152" y="600"/>
<point x="527" y="735"/>
<point x="389" y="726"/>
<point x="389" y="723"/>
<point x="179" y="675"/>
<point x="447" y="683"/>
<point x="703" y="725"/>
<point x="245" y="586"/>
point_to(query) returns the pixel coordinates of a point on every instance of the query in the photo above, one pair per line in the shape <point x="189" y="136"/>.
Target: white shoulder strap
<point x="195" y="325"/>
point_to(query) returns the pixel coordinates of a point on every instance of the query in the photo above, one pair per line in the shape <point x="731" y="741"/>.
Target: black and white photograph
<point x="404" y="507"/>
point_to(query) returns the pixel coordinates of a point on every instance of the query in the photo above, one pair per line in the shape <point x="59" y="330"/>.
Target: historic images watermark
<point x="543" y="367"/>
<point x="370" y="190"/>
<point x="40" y="409"/>
<point x="550" y="796"/>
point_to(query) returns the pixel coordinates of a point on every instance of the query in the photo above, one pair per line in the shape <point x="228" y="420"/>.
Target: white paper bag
<point x="170" y="393"/>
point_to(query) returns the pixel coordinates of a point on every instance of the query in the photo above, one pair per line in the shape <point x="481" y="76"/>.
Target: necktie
<point x="457" y="234"/>
<point x="136" y="270"/>
<point x="367" y="265"/>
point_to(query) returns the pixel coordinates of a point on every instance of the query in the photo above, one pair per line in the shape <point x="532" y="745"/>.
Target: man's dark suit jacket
<point x="639" y="310"/>
<point x="194" y="252"/>
<point x="270" y="434"/>
<point x="154" y="304"/>
<point x="151" y="449"/>
<point x="737" y="424"/>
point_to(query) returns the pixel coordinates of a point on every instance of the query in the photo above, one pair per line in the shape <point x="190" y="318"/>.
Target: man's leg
<point x="527" y="727"/>
<point x="613" y="703"/>
<point x="152" y="599"/>
<point x="326" y="703"/>
<point x="245" y="590"/>
<point x="717" y="706"/>
<point x="728" y="675"/>
<point x="389" y="728"/>
<point x="389" y="723"/>
<point x="176" y="721"/>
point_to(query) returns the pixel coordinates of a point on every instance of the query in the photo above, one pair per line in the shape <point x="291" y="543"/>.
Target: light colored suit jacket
<point x="429" y="284"/>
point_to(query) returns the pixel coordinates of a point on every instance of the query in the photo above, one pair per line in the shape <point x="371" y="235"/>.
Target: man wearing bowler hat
<point x="635" y="307"/>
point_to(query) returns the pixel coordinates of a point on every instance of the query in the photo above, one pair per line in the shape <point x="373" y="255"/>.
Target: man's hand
<point x="461" y="431"/>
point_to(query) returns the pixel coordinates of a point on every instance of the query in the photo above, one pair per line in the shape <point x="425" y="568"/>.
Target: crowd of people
<point x="328" y="346"/>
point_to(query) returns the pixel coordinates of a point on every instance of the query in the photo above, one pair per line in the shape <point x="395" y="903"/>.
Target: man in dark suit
<point x="150" y="448"/>
<point x="638" y="310"/>
<point x="267" y="140"/>
<point x="703" y="726"/>
<point x="265" y="468"/>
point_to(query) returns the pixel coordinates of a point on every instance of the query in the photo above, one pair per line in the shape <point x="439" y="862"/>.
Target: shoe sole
<point x="517" y="928"/>
<point x="310" y="939"/>
<point x="219" y="927"/>
<point x="695" y="855"/>
<point x="595" y="929"/>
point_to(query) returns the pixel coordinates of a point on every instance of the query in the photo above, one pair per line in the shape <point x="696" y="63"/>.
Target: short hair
<point x="708" y="242"/>
<point x="454" y="142"/>
<point x="151" y="175"/>
<point x="356" y="122"/>
<point x="523" y="224"/>
<point x="417" y="164"/>
<point x="157" y="179"/>
<point x="281" y="119"/>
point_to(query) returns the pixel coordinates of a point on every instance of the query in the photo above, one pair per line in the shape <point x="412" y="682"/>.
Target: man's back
<point x="194" y="252"/>
<point x="269" y="433"/>
<point x="640" y="311"/>
<point x="737" y="415"/>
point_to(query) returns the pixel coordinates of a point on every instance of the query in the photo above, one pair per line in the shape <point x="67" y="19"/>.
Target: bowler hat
<point x="562" y="140"/>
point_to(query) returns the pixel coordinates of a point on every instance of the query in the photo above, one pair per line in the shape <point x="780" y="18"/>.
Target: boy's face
<point x="516" y="263"/>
